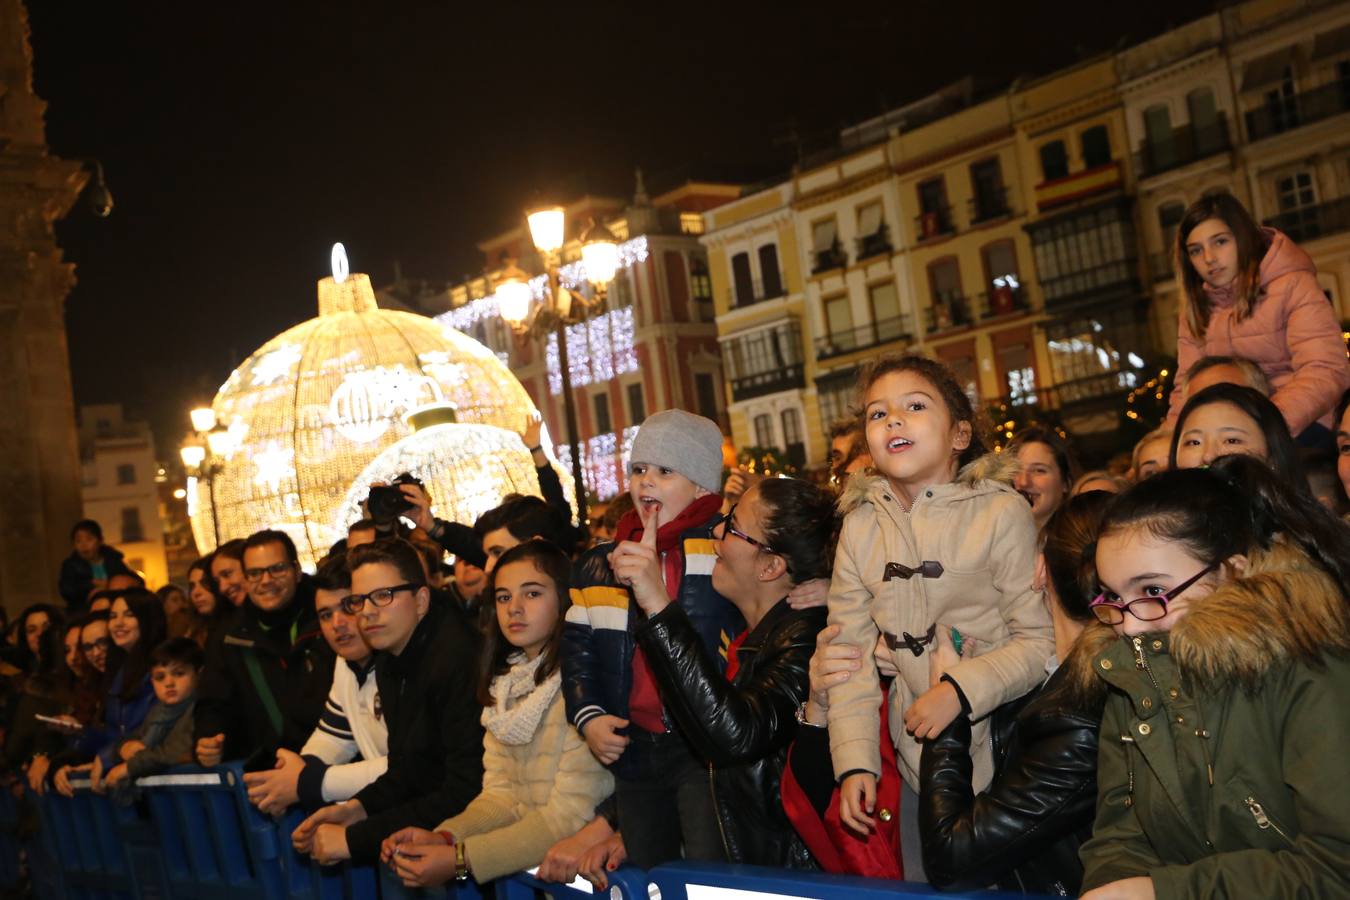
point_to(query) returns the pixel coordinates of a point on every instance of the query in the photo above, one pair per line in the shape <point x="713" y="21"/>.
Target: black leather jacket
<point x="741" y="728"/>
<point x="1023" y="833"/>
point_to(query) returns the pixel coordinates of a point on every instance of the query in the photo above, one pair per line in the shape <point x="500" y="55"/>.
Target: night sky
<point x="241" y="140"/>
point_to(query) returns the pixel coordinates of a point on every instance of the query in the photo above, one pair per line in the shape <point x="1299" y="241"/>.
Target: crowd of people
<point x="949" y="664"/>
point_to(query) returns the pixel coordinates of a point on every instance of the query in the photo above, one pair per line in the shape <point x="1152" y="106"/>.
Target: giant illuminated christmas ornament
<point x="311" y="408"/>
<point x="466" y="469"/>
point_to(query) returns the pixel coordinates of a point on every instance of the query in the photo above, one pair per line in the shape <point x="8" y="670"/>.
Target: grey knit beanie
<point x="679" y="440"/>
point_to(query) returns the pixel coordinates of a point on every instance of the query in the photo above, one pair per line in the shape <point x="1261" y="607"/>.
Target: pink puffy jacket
<point x="1292" y="334"/>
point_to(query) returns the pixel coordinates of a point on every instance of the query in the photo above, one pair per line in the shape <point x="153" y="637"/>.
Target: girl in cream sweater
<point x="540" y="781"/>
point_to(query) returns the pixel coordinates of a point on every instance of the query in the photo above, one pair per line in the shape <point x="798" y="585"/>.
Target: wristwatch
<point x="802" y="720"/>
<point x="461" y="863"/>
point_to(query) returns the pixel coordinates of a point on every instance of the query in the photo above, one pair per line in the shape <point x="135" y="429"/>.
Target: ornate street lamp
<point x="203" y="454"/>
<point x="562" y="306"/>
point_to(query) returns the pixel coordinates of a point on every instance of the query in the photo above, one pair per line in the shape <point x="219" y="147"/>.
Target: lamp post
<point x="561" y="308"/>
<point x="204" y="454"/>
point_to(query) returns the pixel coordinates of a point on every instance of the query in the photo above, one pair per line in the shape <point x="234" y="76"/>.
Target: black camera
<point x="386" y="503"/>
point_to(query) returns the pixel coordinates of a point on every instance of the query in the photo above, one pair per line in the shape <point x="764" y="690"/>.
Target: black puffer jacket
<point x="1023" y="833"/>
<point x="741" y="728"/>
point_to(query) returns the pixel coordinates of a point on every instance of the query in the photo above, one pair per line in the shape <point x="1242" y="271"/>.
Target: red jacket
<point x="1292" y="334"/>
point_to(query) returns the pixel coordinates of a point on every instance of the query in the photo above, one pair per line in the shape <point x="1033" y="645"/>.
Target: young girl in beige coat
<point x="936" y="539"/>
<point x="540" y="782"/>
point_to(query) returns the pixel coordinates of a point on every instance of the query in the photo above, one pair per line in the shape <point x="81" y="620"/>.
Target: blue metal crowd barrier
<point x="193" y="835"/>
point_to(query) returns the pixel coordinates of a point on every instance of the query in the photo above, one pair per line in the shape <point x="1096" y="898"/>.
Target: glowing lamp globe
<point x="308" y="412"/>
<point x="467" y="469"/>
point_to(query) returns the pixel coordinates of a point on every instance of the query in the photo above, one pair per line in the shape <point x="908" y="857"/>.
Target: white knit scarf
<point x="513" y="720"/>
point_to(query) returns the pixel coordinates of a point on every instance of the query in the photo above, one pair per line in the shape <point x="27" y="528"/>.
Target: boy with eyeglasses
<point x="268" y="669"/>
<point x="426" y="663"/>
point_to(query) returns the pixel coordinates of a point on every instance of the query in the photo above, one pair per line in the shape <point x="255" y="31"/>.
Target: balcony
<point x="934" y="224"/>
<point x="1183" y="146"/>
<point x="756" y="292"/>
<point x="1001" y="302"/>
<point x="877" y="243"/>
<point x="863" y="337"/>
<point x="989" y="205"/>
<point x="948" y="314"/>
<point x="1278" y="116"/>
<point x="1079" y="186"/>
<point x="787" y="378"/>
<point x="1312" y="222"/>
<point x="831" y="258"/>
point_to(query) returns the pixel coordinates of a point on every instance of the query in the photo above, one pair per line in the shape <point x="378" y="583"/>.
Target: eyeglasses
<point x="354" y="603"/>
<point x="724" y="523"/>
<point x="100" y="644"/>
<point x="276" y="570"/>
<point x="1145" y="609"/>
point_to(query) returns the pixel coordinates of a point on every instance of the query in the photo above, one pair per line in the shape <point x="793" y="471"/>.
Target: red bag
<point x="837" y="849"/>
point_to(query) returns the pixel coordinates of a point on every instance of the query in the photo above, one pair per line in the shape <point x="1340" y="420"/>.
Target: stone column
<point x="39" y="456"/>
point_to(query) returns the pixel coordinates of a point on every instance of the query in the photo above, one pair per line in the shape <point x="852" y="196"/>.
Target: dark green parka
<point x="1223" y="765"/>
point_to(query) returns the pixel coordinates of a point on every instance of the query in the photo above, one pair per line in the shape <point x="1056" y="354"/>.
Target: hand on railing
<point x="420" y="858"/>
<point x="601" y="859"/>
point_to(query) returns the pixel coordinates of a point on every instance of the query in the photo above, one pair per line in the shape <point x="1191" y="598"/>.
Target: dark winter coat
<point x="428" y="698"/>
<point x="1023" y="832"/>
<point x="77" y="575"/>
<point x="741" y="728"/>
<point x="598" y="637"/>
<point x="298" y="670"/>
<point x="1222" y="763"/>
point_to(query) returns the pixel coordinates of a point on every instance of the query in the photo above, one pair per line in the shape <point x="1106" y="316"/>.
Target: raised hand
<point x="638" y="565"/>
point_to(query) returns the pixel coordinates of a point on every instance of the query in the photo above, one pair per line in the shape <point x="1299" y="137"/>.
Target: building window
<point x="707" y="395"/>
<point x="1096" y="147"/>
<point x="792" y="437"/>
<point x="700" y="285"/>
<point x="603" y="425"/>
<point x="1169" y="217"/>
<point x="1295" y="192"/>
<point x="934" y="215"/>
<point x="988" y="196"/>
<point x="948" y="305"/>
<point x="743" y="280"/>
<point x="885" y="310"/>
<point x="838" y="315"/>
<point x="769" y="275"/>
<point x="1097" y="354"/>
<point x="825" y="246"/>
<point x="764" y="430"/>
<point x="131" y="525"/>
<point x="960" y="359"/>
<point x="1206" y="127"/>
<point x="835" y="396"/>
<point x="637" y="404"/>
<point x="126" y="474"/>
<point x="1282" y="103"/>
<point x="1085" y="253"/>
<point x="1160" y="152"/>
<point x="1054" y="161"/>
<point x="764" y="361"/>
<point x="873" y="239"/>
<point x="1002" y="283"/>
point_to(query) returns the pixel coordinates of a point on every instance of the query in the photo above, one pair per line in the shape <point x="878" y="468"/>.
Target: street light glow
<point x="193" y="455"/>
<point x="546" y="228"/>
<point x="203" y="418"/>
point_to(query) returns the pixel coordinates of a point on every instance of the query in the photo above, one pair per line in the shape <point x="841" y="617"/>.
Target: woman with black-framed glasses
<point x="1221" y="762"/>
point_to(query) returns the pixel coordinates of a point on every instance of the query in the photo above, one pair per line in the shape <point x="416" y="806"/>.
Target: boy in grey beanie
<point x="661" y="788"/>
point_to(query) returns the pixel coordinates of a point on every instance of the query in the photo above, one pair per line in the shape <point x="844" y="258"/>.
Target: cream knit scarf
<point x="520" y="703"/>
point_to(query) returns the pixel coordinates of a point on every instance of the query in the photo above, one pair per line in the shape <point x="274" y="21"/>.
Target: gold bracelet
<point x="461" y="863"/>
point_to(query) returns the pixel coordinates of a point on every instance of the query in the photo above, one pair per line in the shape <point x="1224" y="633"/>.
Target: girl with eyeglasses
<point x="1221" y="763"/>
<point x="540" y="781"/>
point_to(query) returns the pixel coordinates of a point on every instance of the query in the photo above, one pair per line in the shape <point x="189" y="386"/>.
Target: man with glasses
<point x="268" y="670"/>
<point x="426" y="661"/>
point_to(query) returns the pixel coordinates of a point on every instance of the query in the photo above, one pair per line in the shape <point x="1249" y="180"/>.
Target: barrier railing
<point x="193" y="835"/>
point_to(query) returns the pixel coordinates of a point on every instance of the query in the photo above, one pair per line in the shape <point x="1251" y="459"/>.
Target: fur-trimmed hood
<point x="1283" y="609"/>
<point x="867" y="486"/>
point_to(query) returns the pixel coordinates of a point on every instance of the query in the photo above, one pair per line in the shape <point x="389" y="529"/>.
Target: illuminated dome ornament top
<point x="311" y="408"/>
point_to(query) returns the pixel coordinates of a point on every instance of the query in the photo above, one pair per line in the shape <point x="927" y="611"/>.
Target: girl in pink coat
<point x="1249" y="291"/>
